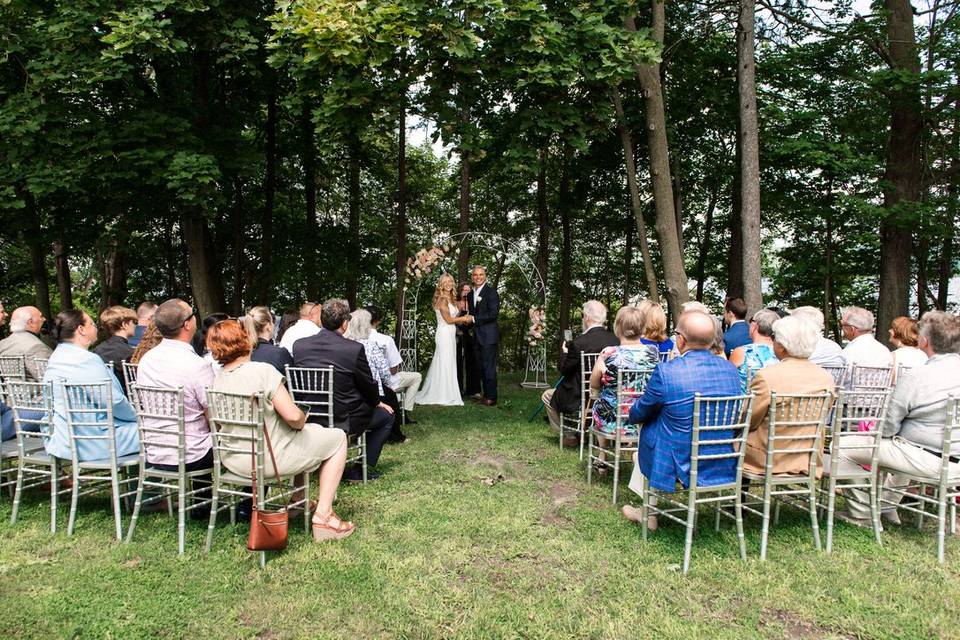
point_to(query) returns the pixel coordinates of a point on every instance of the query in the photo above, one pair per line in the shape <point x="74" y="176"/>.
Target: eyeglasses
<point x="679" y="335"/>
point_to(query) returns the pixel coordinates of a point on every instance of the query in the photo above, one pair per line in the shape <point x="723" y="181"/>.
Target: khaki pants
<point x="894" y="455"/>
<point x="552" y="414"/>
<point x="409" y="383"/>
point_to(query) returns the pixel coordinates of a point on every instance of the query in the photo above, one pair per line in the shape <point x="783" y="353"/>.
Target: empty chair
<point x="576" y="422"/>
<point x="160" y="419"/>
<point x="718" y="435"/>
<point x="870" y="378"/>
<point x="90" y="425"/>
<point x="32" y="405"/>
<point x="796" y="424"/>
<point x="861" y="413"/>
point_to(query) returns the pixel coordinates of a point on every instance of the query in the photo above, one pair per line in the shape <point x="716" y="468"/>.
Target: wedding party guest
<point x="665" y="413"/>
<point x="359" y="328"/>
<point x="200" y="338"/>
<point x="905" y="338"/>
<point x="24" y="340"/>
<point x="119" y="323"/>
<point x="913" y="428"/>
<point x="307" y="325"/>
<point x="406" y="381"/>
<point x="594" y="339"/>
<point x="655" y="332"/>
<point x="3" y="315"/>
<point x="145" y="313"/>
<point x="174" y="363"/>
<point x="631" y="353"/>
<point x="759" y="352"/>
<point x="827" y="353"/>
<point x="151" y="338"/>
<point x="468" y="371"/>
<point x="737" y="333"/>
<point x="357" y="407"/>
<point x="258" y="323"/>
<point x="298" y="446"/>
<point x="71" y="362"/>
<point x="793" y="373"/>
<point x="863" y="349"/>
<point x="287" y="320"/>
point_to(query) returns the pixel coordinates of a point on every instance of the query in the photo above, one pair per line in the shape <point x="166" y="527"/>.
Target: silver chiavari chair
<point x="864" y="378"/>
<point x="576" y="422"/>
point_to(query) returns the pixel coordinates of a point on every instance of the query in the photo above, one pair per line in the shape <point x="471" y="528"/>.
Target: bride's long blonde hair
<point x="443" y="293"/>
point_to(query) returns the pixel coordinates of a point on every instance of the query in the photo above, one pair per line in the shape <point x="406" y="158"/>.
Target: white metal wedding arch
<point x="535" y="375"/>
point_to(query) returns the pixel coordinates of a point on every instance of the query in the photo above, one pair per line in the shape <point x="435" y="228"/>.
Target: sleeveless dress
<point x="441" y="385"/>
<point x="644" y="356"/>
<point x="755" y="357"/>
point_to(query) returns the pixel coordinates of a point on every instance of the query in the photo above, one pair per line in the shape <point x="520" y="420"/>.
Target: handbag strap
<point x="273" y="460"/>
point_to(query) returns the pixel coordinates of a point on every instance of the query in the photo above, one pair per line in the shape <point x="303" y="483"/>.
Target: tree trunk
<point x="33" y="237"/>
<point x="628" y="259"/>
<point x="354" y="234"/>
<point x="269" y="195"/>
<point x="671" y="256"/>
<point x="735" y="256"/>
<point x="238" y="246"/>
<point x="543" y="220"/>
<point x="902" y="178"/>
<point x="400" y="266"/>
<point x="565" y="245"/>
<point x="204" y="277"/>
<point x="749" y="156"/>
<point x="62" y="263"/>
<point x="950" y="218"/>
<point x="627" y="142"/>
<point x="113" y="270"/>
<point x="310" y="201"/>
<point x="707" y="240"/>
<point x="678" y="199"/>
<point x="464" y="257"/>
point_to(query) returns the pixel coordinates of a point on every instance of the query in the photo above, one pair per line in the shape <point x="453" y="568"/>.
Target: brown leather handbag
<point x="268" y="529"/>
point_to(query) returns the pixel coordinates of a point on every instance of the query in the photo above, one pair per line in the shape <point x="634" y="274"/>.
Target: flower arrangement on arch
<point x="538" y="325"/>
<point x="424" y="261"/>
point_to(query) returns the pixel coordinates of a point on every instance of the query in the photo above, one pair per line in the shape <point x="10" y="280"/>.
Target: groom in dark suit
<point x="484" y="306"/>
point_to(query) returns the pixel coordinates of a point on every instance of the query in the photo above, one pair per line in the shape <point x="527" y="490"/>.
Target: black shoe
<point x="356" y="475"/>
<point x="244" y="509"/>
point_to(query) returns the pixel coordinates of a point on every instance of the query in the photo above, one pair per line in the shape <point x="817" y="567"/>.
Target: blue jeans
<point x="8" y="430"/>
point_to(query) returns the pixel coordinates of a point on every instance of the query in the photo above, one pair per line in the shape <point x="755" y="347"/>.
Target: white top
<point x="476" y="294"/>
<point x="866" y="351"/>
<point x="301" y="329"/>
<point x="390" y="351"/>
<point x="909" y="357"/>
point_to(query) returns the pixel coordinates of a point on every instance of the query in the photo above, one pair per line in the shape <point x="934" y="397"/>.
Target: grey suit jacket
<point x="24" y="343"/>
<point x="917" y="408"/>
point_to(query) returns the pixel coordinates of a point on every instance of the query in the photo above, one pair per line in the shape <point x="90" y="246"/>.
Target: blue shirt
<point x="138" y="332"/>
<point x="662" y="346"/>
<point x="737" y="335"/>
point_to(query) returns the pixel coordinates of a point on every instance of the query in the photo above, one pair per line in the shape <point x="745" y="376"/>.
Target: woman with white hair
<point x="794" y="340"/>
<point x="359" y="328"/>
<point x="759" y="353"/>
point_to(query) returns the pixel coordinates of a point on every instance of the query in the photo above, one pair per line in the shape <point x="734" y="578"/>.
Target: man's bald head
<point x="26" y="319"/>
<point x="697" y="329"/>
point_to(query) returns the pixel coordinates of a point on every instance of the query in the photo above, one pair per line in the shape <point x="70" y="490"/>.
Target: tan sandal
<point x="323" y="530"/>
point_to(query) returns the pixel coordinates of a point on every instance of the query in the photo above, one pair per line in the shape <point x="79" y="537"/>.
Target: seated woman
<point x="904" y="336"/>
<point x="73" y="363"/>
<point x="151" y="338"/>
<point x="655" y="332"/>
<point x="630" y="354"/>
<point x="298" y="447"/>
<point x="259" y="326"/>
<point x="759" y="353"/>
<point x="359" y="329"/>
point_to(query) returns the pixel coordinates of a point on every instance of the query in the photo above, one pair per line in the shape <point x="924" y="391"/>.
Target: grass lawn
<point x="480" y="527"/>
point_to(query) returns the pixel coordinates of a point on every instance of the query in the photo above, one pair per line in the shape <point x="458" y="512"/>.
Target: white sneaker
<point x="890" y="516"/>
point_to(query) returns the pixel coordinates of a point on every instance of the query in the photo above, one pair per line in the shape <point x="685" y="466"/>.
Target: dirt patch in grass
<point x="560" y="495"/>
<point x="796" y="628"/>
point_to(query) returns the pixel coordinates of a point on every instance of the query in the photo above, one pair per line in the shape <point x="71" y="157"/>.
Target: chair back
<point x="870" y="378"/>
<point x="751" y="374"/>
<point x="720" y="429"/>
<point x="630" y="386"/>
<point x="797" y="423"/>
<point x="840" y="375"/>
<point x="236" y="426"/>
<point x="665" y="355"/>
<point x="41" y="364"/>
<point x="160" y="419"/>
<point x="13" y="368"/>
<point x="860" y="413"/>
<point x="951" y="439"/>
<point x="312" y="390"/>
<point x="587" y="362"/>
<point x="129" y="374"/>
<point x="89" y="412"/>
<point x="32" y="405"/>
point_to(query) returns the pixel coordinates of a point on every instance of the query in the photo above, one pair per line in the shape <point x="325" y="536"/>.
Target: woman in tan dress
<point x="299" y="447"/>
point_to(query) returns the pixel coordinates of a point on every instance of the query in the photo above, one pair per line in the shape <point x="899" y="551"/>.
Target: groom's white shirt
<point x="476" y="294"/>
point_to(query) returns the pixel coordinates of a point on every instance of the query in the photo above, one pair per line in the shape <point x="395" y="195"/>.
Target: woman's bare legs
<point x="329" y="479"/>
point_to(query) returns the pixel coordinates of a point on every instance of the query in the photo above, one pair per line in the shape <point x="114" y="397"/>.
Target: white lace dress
<point x="441" y="386"/>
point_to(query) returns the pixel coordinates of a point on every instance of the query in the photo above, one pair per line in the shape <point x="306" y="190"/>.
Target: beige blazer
<point x="24" y="343"/>
<point x="791" y="375"/>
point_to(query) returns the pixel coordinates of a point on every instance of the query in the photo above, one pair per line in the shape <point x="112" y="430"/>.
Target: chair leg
<point x="765" y="525"/>
<point x="137" y="502"/>
<point x="645" y="506"/>
<point x="590" y="458"/>
<point x="363" y="455"/>
<point x="582" y="433"/>
<point x="691" y="523"/>
<point x="616" y="471"/>
<point x="307" y="516"/>
<point x="54" y="493"/>
<point x="115" y="491"/>
<point x="776" y="513"/>
<point x="263" y="559"/>
<point x="214" y="497"/>
<point x="875" y="509"/>
<point x="941" y="525"/>
<point x="16" y="494"/>
<point x="738" y="515"/>
<point x="831" y="506"/>
<point x="74" y="495"/>
<point x="181" y="512"/>
<point x="922" y="505"/>
<point x="812" y="503"/>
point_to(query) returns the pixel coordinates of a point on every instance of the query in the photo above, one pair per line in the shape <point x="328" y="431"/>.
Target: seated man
<point x="863" y="349"/>
<point x="666" y="412"/>
<point x="174" y="363"/>
<point x="594" y="339"/>
<point x="119" y="323"/>
<point x="307" y="325"/>
<point x="24" y="339"/>
<point x="827" y="353"/>
<point x="793" y="342"/>
<point x="356" y="397"/>
<point x="737" y="333"/>
<point x="912" y="432"/>
<point x="145" y="311"/>
<point x="406" y="381"/>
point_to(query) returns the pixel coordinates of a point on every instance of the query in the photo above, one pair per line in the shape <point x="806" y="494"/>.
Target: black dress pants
<point x="486" y="355"/>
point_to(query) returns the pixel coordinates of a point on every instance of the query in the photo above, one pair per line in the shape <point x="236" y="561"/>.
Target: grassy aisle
<point x="480" y="528"/>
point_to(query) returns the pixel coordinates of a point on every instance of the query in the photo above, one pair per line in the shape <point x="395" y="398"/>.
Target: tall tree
<point x="749" y="145"/>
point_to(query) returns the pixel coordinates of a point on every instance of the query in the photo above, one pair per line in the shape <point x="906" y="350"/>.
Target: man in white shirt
<point x="862" y="349"/>
<point x="306" y="326"/>
<point x="406" y="381"/>
<point x="827" y="353"/>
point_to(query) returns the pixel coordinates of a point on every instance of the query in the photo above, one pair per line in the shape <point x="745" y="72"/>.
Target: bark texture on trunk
<point x="308" y="129"/>
<point x="706" y="241"/>
<point x="62" y="262"/>
<point x="33" y="237"/>
<point x="400" y="266"/>
<point x="204" y="277"/>
<point x="269" y="193"/>
<point x="463" y="259"/>
<point x="543" y="219"/>
<point x="749" y="156"/>
<point x="353" y="250"/>
<point x="566" y="243"/>
<point x="903" y="175"/>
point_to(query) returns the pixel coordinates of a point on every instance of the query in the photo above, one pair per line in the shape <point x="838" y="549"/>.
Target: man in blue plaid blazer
<point x="666" y="409"/>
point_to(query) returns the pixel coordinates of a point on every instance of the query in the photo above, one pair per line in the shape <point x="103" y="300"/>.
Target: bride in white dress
<point x="441" y="386"/>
